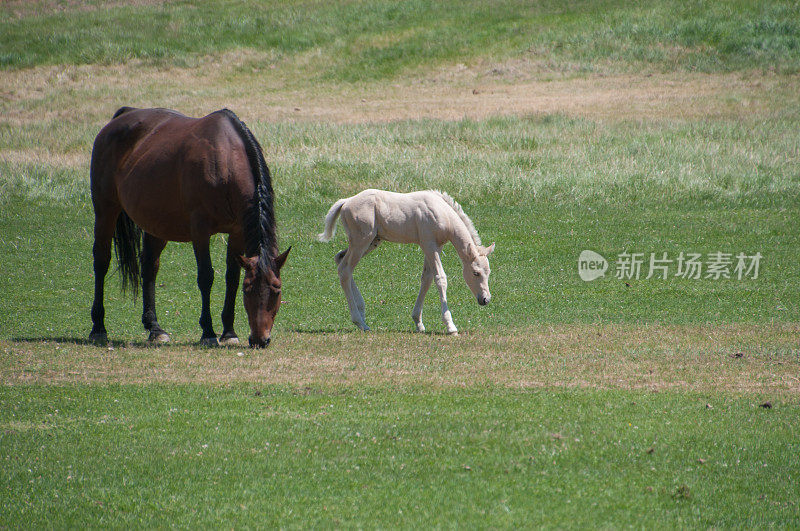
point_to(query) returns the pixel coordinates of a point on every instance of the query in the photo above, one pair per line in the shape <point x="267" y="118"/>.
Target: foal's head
<point x="476" y="274"/>
<point x="262" y="296"/>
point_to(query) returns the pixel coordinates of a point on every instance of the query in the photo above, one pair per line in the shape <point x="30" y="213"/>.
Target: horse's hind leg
<point x="232" y="277"/>
<point x="151" y="254"/>
<point x="205" y="279"/>
<point x="105" y="221"/>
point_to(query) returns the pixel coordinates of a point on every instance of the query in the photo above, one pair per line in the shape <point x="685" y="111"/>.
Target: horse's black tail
<point x="127" y="248"/>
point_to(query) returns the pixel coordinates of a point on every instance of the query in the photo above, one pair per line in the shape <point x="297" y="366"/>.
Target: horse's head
<point x="262" y="296"/>
<point x="476" y="274"/>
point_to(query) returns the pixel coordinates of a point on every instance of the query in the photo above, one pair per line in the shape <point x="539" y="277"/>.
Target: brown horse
<point x="184" y="179"/>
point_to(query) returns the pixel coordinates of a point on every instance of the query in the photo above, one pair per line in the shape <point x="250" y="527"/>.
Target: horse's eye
<point x="477" y="273"/>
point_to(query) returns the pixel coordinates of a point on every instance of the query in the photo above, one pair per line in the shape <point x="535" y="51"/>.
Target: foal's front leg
<point x="205" y="279"/>
<point x="425" y="284"/>
<point x="441" y="282"/>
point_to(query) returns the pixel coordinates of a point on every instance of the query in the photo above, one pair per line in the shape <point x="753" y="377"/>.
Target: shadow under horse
<point x="159" y="176"/>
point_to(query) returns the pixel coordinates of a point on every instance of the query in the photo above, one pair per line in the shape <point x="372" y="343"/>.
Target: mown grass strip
<point x="261" y="455"/>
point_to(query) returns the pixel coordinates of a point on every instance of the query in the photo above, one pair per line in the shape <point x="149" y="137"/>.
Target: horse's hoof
<point x="453" y="333"/>
<point x="158" y="338"/>
<point x="229" y="341"/>
<point x="99" y="338"/>
<point x="420" y="328"/>
<point x="209" y="342"/>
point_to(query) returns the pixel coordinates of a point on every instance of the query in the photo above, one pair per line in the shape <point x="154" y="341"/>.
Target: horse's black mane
<point x="259" y="219"/>
<point x="122" y="110"/>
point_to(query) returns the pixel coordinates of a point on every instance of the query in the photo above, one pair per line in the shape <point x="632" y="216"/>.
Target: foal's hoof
<point x="98" y="338"/>
<point x="158" y="338"/>
<point x="228" y="341"/>
<point x="209" y="342"/>
<point x="453" y="333"/>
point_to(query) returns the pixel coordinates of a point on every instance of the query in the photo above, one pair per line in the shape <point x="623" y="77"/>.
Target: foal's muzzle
<point x="483" y="301"/>
<point x="255" y="343"/>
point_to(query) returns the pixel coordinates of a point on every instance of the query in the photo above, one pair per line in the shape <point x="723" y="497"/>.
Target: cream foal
<point x="429" y="219"/>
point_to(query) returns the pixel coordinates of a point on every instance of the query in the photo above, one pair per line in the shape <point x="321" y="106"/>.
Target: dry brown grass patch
<point x="733" y="358"/>
<point x="27" y="8"/>
<point x="261" y="86"/>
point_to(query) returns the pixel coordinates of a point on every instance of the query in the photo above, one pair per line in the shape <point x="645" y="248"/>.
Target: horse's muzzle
<point x="483" y="301"/>
<point x="258" y="343"/>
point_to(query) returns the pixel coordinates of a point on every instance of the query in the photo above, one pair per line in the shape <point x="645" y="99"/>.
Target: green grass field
<point x="612" y="126"/>
<point x="178" y="455"/>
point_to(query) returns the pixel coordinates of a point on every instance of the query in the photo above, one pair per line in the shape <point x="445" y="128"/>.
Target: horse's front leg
<point x="232" y="275"/>
<point x="205" y="279"/>
<point x="151" y="254"/>
<point x="441" y="282"/>
<point x="425" y="284"/>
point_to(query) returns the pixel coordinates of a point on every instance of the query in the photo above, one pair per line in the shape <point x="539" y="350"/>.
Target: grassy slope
<point x="379" y="39"/>
<point x="225" y="456"/>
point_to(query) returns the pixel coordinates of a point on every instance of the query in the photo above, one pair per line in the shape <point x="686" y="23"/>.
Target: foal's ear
<point x="486" y="251"/>
<point x="281" y="258"/>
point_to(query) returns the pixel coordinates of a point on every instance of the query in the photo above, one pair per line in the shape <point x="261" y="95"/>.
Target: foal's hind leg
<point x="362" y="308"/>
<point x="151" y="254"/>
<point x="359" y="300"/>
<point x="104" y="225"/>
<point x="347" y="263"/>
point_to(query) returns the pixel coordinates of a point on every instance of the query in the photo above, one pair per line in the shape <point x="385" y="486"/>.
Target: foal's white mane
<point x="461" y="214"/>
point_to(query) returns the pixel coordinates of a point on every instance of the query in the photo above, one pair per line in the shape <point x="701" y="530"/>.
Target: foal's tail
<point x="128" y="247"/>
<point x="330" y="221"/>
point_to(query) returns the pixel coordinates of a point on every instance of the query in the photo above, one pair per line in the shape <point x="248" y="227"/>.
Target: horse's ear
<point x="281" y="258"/>
<point x="486" y="251"/>
<point x="245" y="262"/>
